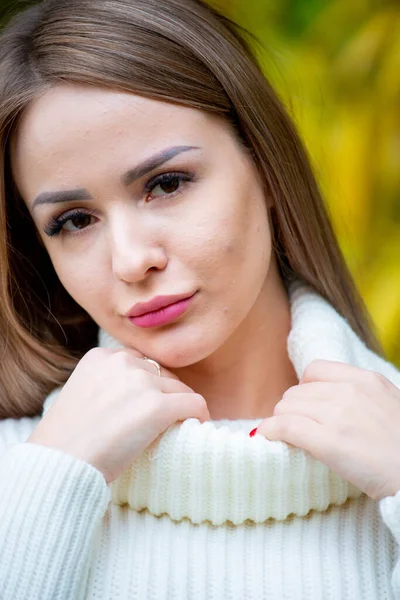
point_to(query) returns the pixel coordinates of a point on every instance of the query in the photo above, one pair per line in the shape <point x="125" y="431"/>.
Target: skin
<point x="211" y="235"/>
<point x="347" y="418"/>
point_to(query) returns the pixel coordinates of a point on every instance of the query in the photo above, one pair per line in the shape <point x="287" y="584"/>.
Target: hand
<point x="347" y="418"/>
<point x="112" y="407"/>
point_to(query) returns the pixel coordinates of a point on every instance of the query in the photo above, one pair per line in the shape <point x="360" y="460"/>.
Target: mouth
<point x="163" y="315"/>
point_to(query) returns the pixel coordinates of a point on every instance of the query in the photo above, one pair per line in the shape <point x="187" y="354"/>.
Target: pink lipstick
<point x="165" y="309"/>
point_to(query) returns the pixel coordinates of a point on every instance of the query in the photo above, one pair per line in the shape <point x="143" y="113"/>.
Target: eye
<point x="169" y="186"/>
<point x="169" y="183"/>
<point x="70" y="223"/>
<point x="80" y="221"/>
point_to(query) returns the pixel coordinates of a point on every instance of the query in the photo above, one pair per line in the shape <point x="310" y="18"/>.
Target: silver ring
<point x="153" y="362"/>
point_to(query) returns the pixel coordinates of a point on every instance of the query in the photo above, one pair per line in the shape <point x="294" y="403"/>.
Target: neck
<point x="246" y="378"/>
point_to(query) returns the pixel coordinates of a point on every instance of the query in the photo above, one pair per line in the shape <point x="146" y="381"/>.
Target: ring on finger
<point x="153" y="362"/>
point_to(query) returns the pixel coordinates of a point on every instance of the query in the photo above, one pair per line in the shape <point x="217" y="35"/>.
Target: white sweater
<point x="206" y="512"/>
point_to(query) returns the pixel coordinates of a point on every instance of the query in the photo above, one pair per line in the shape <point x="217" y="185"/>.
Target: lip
<point x="164" y="314"/>
<point x="141" y="308"/>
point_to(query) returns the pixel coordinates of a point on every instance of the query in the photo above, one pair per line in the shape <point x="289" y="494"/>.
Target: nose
<point x="134" y="251"/>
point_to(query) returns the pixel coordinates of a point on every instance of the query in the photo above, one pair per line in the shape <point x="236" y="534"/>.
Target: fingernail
<point x="253" y="432"/>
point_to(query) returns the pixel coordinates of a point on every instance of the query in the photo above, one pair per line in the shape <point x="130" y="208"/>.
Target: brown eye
<point x="78" y="222"/>
<point x="168" y="186"/>
<point x="70" y="222"/>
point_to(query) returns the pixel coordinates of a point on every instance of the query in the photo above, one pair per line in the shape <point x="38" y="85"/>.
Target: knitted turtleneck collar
<point x="215" y="472"/>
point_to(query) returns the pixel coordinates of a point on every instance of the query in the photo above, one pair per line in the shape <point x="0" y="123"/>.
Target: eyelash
<point x="55" y="225"/>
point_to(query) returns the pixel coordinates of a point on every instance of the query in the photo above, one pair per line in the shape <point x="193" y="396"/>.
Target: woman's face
<point x="116" y="239"/>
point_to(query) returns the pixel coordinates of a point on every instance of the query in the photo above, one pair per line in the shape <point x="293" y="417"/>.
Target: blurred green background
<point x="336" y="66"/>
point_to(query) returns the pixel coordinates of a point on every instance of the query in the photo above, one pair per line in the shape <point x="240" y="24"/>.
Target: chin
<point x="194" y="349"/>
<point x="178" y="359"/>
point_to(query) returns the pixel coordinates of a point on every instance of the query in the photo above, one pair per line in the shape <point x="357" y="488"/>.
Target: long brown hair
<point x="181" y="52"/>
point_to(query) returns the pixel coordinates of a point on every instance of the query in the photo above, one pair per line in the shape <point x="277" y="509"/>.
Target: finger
<point x="185" y="406"/>
<point x="301" y="432"/>
<point x="329" y="370"/>
<point x="321" y="412"/>
<point x="151" y="367"/>
<point x="320" y="390"/>
<point x="172" y="386"/>
<point x="130" y="351"/>
<point x="165" y="373"/>
<point x="140" y="363"/>
<point x="145" y="364"/>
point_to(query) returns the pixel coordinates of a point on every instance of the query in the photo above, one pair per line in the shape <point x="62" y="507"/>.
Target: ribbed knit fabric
<point x="205" y="512"/>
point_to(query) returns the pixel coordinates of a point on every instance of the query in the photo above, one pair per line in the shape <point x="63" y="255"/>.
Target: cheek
<point x="241" y="238"/>
<point x="83" y="278"/>
<point x="232" y="247"/>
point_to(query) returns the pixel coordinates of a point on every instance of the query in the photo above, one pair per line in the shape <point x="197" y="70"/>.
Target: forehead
<point x="68" y="112"/>
<point x="72" y="129"/>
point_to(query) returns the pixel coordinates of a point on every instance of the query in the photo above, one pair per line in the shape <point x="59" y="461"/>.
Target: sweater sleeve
<point x="390" y="511"/>
<point x="51" y="506"/>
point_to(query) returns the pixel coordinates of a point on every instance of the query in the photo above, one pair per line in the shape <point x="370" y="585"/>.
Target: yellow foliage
<point x="343" y="91"/>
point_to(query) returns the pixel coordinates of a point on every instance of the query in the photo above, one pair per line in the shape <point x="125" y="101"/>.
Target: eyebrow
<point x="128" y="178"/>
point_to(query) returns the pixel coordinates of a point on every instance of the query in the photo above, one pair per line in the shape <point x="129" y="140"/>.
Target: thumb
<point x="268" y="428"/>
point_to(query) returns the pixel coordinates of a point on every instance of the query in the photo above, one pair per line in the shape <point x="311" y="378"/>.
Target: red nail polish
<point x="253" y="432"/>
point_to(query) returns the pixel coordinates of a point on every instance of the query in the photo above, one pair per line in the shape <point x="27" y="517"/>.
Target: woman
<point x="171" y="283"/>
